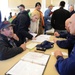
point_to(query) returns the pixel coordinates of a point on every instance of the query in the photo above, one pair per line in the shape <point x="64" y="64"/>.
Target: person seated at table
<point x="70" y="39"/>
<point x="8" y="47"/>
<point x="63" y="34"/>
<point x="67" y="66"/>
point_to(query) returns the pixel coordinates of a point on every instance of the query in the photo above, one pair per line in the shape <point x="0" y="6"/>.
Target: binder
<point x="32" y="63"/>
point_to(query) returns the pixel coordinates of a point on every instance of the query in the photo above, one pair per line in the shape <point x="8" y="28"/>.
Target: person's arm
<point x="65" y="66"/>
<point x="63" y="34"/>
<point x="63" y="44"/>
<point x="60" y="61"/>
<point x="8" y="52"/>
<point x="17" y="41"/>
<point x="23" y="29"/>
<point x="46" y="15"/>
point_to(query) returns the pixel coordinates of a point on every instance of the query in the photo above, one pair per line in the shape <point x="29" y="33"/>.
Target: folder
<point x="32" y="63"/>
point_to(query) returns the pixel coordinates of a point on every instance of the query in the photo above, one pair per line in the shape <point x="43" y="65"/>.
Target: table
<point x="5" y="65"/>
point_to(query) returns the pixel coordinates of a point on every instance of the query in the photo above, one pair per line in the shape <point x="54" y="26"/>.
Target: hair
<point x="62" y="3"/>
<point x="38" y="3"/>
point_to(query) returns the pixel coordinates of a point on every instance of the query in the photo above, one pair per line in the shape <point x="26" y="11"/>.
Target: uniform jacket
<point x="6" y="49"/>
<point x="68" y="43"/>
<point x="66" y="66"/>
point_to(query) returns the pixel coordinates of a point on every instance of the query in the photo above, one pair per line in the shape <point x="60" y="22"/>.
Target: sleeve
<point x="53" y="20"/>
<point x="58" y="64"/>
<point x="65" y="66"/>
<point x="47" y="14"/>
<point x="23" y="28"/>
<point x="63" y="44"/>
<point x="18" y="43"/>
<point x="63" y="34"/>
<point x="7" y="52"/>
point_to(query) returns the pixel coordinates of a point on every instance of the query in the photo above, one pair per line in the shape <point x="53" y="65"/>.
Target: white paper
<point x="31" y="45"/>
<point x="34" y="34"/>
<point x="38" y="58"/>
<point x="32" y="63"/>
<point x="41" y="38"/>
<point x="64" y="53"/>
<point x="26" y="68"/>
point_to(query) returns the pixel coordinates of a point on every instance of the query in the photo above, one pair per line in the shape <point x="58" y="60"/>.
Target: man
<point x="59" y="17"/>
<point x="40" y="20"/>
<point x="71" y="10"/>
<point x="70" y="39"/>
<point x="22" y="23"/>
<point x="67" y="66"/>
<point x="8" y="47"/>
<point x="10" y="15"/>
<point x="47" y="18"/>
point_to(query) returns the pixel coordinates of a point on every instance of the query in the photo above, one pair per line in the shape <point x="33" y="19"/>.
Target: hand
<point x="23" y="46"/>
<point x="54" y="40"/>
<point x="56" y="34"/>
<point x="33" y="38"/>
<point x="58" y="53"/>
<point x="15" y="37"/>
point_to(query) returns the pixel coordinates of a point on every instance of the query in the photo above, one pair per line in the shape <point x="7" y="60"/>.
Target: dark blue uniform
<point x="68" y="43"/>
<point x="66" y="66"/>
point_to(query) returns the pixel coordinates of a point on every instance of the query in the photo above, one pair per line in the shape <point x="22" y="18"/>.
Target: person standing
<point x="40" y="19"/>
<point x="47" y="18"/>
<point x="22" y="23"/>
<point x="71" y="10"/>
<point x="59" y="17"/>
<point x="10" y="15"/>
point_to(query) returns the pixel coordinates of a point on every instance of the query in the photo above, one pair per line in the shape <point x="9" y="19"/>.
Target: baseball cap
<point x="5" y="24"/>
<point x="21" y="5"/>
<point x="51" y="5"/>
<point x="45" y="45"/>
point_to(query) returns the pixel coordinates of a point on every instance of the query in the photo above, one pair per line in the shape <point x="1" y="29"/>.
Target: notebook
<point x="32" y="63"/>
<point x="41" y="38"/>
<point x="31" y="45"/>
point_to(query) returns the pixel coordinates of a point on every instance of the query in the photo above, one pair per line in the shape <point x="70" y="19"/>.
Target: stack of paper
<point x="31" y="45"/>
<point x="41" y="38"/>
<point x="31" y="64"/>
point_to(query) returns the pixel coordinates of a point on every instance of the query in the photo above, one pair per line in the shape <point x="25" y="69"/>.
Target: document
<point x="64" y="53"/>
<point x="32" y="63"/>
<point x="38" y="58"/>
<point x="34" y="34"/>
<point x="26" y="68"/>
<point x="31" y="45"/>
<point x="41" y="38"/>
